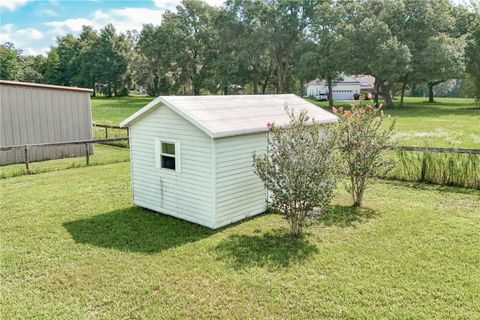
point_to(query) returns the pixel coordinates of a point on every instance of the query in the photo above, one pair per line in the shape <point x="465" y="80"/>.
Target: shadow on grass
<point x="274" y="249"/>
<point x="345" y="216"/>
<point x="135" y="230"/>
<point x="430" y="186"/>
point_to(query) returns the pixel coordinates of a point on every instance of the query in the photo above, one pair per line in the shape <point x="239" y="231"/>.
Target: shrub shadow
<point x="135" y="229"/>
<point x="273" y="249"/>
<point x="345" y="216"/>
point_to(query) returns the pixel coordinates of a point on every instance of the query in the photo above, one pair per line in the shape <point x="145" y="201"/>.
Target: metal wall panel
<point x="40" y="115"/>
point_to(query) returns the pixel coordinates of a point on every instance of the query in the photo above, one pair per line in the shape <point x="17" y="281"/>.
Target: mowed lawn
<point x="74" y="247"/>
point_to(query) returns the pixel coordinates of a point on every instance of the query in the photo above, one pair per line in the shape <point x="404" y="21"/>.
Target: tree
<point x="187" y="35"/>
<point x="473" y="54"/>
<point x="10" y="67"/>
<point x="112" y="60"/>
<point x="443" y="58"/>
<point x="88" y="73"/>
<point x="298" y="169"/>
<point x="370" y="48"/>
<point x="362" y="141"/>
<point x="285" y="25"/>
<point x="50" y="69"/>
<point x="32" y="68"/>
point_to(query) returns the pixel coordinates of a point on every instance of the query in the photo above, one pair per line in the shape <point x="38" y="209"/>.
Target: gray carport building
<point x="32" y="113"/>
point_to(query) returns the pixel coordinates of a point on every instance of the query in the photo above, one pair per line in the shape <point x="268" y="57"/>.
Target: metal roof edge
<point x="44" y="86"/>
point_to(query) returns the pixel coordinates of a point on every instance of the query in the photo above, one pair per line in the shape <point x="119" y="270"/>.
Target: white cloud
<point x="123" y="19"/>
<point x="30" y="34"/>
<point x="34" y="52"/>
<point x="47" y="12"/>
<point x="70" y="25"/>
<point x="28" y="39"/>
<point x="12" y="4"/>
<point x="9" y="33"/>
<point x="172" y="4"/>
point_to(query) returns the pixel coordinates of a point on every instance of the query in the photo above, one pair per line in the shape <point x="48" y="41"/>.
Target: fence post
<point x="106" y="132"/>
<point x="27" y="164"/>
<point x="128" y="136"/>
<point x="424" y="169"/>
<point x="87" y="154"/>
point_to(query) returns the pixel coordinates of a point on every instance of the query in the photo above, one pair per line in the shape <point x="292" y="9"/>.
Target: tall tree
<point x="10" y="58"/>
<point x="473" y="53"/>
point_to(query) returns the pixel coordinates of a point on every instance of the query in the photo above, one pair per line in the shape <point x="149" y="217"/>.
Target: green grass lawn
<point x="74" y="247"/>
<point x="103" y="154"/>
<point x="113" y="110"/>
<point x="450" y="122"/>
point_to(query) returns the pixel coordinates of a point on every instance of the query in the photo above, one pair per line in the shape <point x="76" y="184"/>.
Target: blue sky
<point x="33" y="25"/>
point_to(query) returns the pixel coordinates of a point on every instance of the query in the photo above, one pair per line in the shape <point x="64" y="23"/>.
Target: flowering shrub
<point x="298" y="169"/>
<point x="361" y="142"/>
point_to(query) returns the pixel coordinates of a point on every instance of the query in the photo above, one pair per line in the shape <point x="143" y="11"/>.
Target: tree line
<point x="267" y="46"/>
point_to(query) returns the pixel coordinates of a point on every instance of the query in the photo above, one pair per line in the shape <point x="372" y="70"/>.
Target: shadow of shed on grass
<point x="135" y="229"/>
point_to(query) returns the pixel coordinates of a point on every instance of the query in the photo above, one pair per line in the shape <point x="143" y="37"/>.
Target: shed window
<point x="168" y="156"/>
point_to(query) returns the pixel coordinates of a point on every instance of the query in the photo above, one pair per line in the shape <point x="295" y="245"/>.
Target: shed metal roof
<point x="43" y="86"/>
<point x="224" y="116"/>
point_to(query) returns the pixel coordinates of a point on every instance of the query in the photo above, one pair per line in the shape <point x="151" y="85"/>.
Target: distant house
<point x="32" y="113"/>
<point x="342" y="89"/>
<point x="191" y="156"/>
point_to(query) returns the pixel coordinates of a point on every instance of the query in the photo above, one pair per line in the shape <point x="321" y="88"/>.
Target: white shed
<point x="191" y="156"/>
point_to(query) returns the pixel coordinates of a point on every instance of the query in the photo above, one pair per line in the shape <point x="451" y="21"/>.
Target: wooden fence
<point x="107" y="126"/>
<point x="27" y="147"/>
<point x="436" y="150"/>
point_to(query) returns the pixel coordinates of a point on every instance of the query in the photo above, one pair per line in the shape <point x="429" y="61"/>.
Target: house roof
<point x="224" y="116"/>
<point x="343" y="79"/>
<point x="43" y="86"/>
<point x="366" y="81"/>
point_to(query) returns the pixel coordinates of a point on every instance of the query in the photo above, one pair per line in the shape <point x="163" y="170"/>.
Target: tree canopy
<point x="271" y="46"/>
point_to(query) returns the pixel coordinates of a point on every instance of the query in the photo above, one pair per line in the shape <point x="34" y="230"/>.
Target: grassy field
<point x="103" y="154"/>
<point x="73" y="247"/>
<point x="450" y="122"/>
<point x="113" y="110"/>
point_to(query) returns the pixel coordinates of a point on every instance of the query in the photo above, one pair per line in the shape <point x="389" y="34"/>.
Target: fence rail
<point x="107" y="126"/>
<point x="27" y="147"/>
<point x="435" y="150"/>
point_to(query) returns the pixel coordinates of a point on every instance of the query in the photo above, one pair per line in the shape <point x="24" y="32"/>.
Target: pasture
<point x="74" y="247"/>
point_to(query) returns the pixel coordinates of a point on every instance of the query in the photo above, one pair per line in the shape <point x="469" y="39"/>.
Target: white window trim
<point x="158" y="154"/>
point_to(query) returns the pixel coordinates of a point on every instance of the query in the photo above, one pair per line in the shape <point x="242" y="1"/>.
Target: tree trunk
<point x="375" y="93"/>
<point x="280" y="83"/>
<point x="386" y="93"/>
<point x="302" y="88"/>
<point x="265" y="84"/>
<point x="225" y="91"/>
<point x="430" y="92"/>
<point x="402" y="93"/>
<point x="330" y="95"/>
<point x="255" y="87"/>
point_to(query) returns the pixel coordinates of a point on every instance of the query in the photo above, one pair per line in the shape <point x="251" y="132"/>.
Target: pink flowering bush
<point x="362" y="141"/>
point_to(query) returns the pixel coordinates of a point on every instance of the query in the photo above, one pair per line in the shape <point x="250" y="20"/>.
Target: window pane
<point x="168" y="148"/>
<point x="168" y="162"/>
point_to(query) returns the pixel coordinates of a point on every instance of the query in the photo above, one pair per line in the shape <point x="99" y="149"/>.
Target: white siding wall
<point x="239" y="192"/>
<point x="187" y="195"/>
